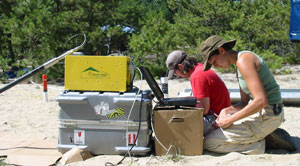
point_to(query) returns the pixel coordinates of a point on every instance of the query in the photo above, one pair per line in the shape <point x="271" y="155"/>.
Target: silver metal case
<point x="98" y="122"/>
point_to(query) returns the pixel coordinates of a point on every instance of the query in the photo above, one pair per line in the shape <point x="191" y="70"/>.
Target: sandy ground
<point x="23" y="110"/>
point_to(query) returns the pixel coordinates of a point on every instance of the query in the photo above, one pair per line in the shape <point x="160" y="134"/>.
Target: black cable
<point x="133" y="77"/>
<point x="137" y="136"/>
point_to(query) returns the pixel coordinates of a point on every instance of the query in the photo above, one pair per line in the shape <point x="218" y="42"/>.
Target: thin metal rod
<point x="44" y="66"/>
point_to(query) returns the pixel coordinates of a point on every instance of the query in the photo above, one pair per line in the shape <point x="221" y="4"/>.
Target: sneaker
<point x="280" y="139"/>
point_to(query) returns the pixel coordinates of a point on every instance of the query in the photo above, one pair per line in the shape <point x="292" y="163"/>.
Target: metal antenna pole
<point x="44" y="66"/>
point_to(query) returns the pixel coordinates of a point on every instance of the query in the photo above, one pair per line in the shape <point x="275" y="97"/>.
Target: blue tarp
<point x="12" y="74"/>
<point x="294" y="34"/>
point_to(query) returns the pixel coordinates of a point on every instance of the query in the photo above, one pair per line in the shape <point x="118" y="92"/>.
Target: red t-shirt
<point x="208" y="84"/>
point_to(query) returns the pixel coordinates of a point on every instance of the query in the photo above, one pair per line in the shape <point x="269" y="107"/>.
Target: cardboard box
<point x="75" y="155"/>
<point x="97" y="73"/>
<point x="26" y="149"/>
<point x="180" y="130"/>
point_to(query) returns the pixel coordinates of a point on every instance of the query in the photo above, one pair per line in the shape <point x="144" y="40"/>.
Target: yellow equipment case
<point x="97" y="73"/>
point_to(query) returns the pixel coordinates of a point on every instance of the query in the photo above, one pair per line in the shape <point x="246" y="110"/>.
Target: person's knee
<point x="210" y="147"/>
<point x="256" y="148"/>
<point x="211" y="144"/>
<point x="250" y="148"/>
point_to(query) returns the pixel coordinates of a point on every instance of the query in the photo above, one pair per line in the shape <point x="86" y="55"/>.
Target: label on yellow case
<point x="97" y="73"/>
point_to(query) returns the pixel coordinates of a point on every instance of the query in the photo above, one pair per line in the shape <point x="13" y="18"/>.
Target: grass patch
<point x="2" y="163"/>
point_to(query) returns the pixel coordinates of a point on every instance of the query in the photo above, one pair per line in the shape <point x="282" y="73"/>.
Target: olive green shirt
<point x="272" y="89"/>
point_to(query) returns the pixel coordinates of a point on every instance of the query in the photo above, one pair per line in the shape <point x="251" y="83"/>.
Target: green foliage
<point x="2" y="161"/>
<point x="273" y="61"/>
<point x="151" y="46"/>
<point x="35" y="31"/>
<point x="294" y="56"/>
<point x="287" y="71"/>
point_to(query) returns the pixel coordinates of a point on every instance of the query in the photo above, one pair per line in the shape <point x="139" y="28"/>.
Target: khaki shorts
<point x="246" y="135"/>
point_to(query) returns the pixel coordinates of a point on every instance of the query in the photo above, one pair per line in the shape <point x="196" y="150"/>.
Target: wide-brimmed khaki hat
<point x="174" y="58"/>
<point x="210" y="45"/>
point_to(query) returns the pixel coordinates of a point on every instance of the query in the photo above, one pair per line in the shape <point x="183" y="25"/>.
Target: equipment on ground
<point x="105" y="122"/>
<point x="98" y="73"/>
<point x="176" y="101"/>
<point x="100" y="111"/>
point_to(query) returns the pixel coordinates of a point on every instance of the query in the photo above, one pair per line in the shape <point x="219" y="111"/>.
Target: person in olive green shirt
<point x="244" y="126"/>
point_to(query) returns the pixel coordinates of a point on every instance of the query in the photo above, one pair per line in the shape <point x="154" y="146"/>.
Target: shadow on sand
<point x="296" y="141"/>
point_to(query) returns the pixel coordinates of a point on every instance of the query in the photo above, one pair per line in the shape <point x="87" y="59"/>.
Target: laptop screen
<point x="152" y="83"/>
<point x="177" y="101"/>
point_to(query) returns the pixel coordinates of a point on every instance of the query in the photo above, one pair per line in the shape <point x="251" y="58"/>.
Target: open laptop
<point x="176" y="101"/>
